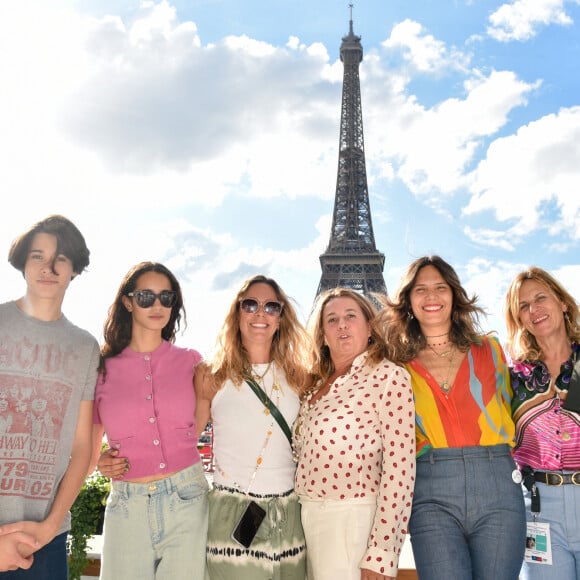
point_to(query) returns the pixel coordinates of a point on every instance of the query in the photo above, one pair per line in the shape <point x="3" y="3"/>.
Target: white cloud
<point x="163" y="100"/>
<point x="423" y="51"/>
<point x="523" y="172"/>
<point x="433" y="148"/>
<point x="493" y="238"/>
<point x="521" y="19"/>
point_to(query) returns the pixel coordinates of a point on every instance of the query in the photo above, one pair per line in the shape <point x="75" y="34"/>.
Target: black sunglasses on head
<point x="146" y="298"/>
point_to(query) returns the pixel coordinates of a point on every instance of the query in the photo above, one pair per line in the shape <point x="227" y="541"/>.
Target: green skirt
<point x="278" y="550"/>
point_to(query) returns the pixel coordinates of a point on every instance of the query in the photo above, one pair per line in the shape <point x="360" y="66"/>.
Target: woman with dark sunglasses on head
<point x="156" y="516"/>
<point x="254" y="380"/>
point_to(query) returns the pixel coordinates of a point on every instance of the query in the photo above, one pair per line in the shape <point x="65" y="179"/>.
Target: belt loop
<point x="431" y="457"/>
<point x="490" y="453"/>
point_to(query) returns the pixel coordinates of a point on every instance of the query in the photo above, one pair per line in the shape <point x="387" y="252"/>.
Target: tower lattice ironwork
<point x="351" y="258"/>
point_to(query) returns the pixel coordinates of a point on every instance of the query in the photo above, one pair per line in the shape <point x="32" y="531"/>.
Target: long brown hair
<point x="289" y="349"/>
<point x="118" y="327"/>
<point x="521" y="344"/>
<point x="402" y="331"/>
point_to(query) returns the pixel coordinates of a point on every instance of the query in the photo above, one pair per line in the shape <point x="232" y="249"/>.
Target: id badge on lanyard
<point x="538" y="544"/>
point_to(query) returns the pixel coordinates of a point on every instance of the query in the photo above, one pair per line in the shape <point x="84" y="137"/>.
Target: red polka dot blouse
<point x="358" y="441"/>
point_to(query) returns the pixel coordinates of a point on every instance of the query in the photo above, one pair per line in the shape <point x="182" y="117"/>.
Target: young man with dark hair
<point x="48" y="370"/>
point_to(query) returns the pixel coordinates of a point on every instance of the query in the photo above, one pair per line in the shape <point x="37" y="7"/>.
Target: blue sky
<point x="204" y="134"/>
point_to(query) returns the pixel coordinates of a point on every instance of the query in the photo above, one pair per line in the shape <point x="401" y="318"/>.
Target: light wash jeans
<point x="560" y="507"/>
<point x="157" y="530"/>
<point x="468" y="517"/>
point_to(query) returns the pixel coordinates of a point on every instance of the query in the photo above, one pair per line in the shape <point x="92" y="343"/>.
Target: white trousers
<point x="337" y="533"/>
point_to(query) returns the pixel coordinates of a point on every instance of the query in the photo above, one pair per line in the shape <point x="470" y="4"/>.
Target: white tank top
<point x="240" y="428"/>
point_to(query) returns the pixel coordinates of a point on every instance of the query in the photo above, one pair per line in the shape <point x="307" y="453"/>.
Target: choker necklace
<point x="436" y="335"/>
<point x="430" y="344"/>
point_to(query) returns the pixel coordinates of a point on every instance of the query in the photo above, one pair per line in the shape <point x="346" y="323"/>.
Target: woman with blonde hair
<point x="251" y="392"/>
<point x="543" y="337"/>
<point x="355" y="446"/>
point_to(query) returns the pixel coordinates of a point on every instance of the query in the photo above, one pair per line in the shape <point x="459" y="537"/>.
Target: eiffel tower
<point x="351" y="258"/>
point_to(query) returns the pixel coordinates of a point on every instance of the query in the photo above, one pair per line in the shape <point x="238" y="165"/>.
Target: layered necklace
<point x="444" y="385"/>
<point x="259" y="460"/>
<point x="275" y="387"/>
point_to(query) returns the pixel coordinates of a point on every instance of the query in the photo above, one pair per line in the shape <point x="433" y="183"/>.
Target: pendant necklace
<point x="261" y="383"/>
<point x="445" y="385"/>
<point x="269" y="431"/>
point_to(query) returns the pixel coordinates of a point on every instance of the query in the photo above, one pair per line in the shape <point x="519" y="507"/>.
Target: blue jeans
<point x="50" y="563"/>
<point x="157" y="530"/>
<point x="560" y="507"/>
<point x="468" y="516"/>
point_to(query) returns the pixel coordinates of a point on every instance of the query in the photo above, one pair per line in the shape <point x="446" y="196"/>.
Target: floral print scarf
<point x="532" y="378"/>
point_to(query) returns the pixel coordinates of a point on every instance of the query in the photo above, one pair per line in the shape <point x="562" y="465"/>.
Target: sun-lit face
<point x="431" y="300"/>
<point x="156" y="317"/>
<point x="541" y="312"/>
<point x="41" y="281"/>
<point x="259" y="327"/>
<point x="346" y="330"/>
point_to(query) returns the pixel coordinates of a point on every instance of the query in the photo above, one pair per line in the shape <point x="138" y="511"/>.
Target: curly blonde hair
<point x="289" y="350"/>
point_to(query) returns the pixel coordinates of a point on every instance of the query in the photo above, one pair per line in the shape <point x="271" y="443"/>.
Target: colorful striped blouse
<point x="547" y="435"/>
<point x="476" y="411"/>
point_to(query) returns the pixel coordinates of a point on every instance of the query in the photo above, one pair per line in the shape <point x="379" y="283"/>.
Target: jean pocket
<point x="191" y="491"/>
<point x="117" y="504"/>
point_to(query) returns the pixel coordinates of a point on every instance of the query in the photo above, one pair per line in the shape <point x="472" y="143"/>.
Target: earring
<point x="410" y="315"/>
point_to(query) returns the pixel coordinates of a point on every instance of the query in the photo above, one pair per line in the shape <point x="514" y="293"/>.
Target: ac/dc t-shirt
<point x="46" y="370"/>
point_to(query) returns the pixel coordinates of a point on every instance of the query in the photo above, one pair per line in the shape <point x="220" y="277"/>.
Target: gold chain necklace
<point x="260" y="380"/>
<point x="443" y="354"/>
<point x="270" y="430"/>
<point x="437" y="335"/>
<point x="445" y="385"/>
<point x="258" y="377"/>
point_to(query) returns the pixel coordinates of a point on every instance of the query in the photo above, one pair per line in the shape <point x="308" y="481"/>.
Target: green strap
<point x="267" y="402"/>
